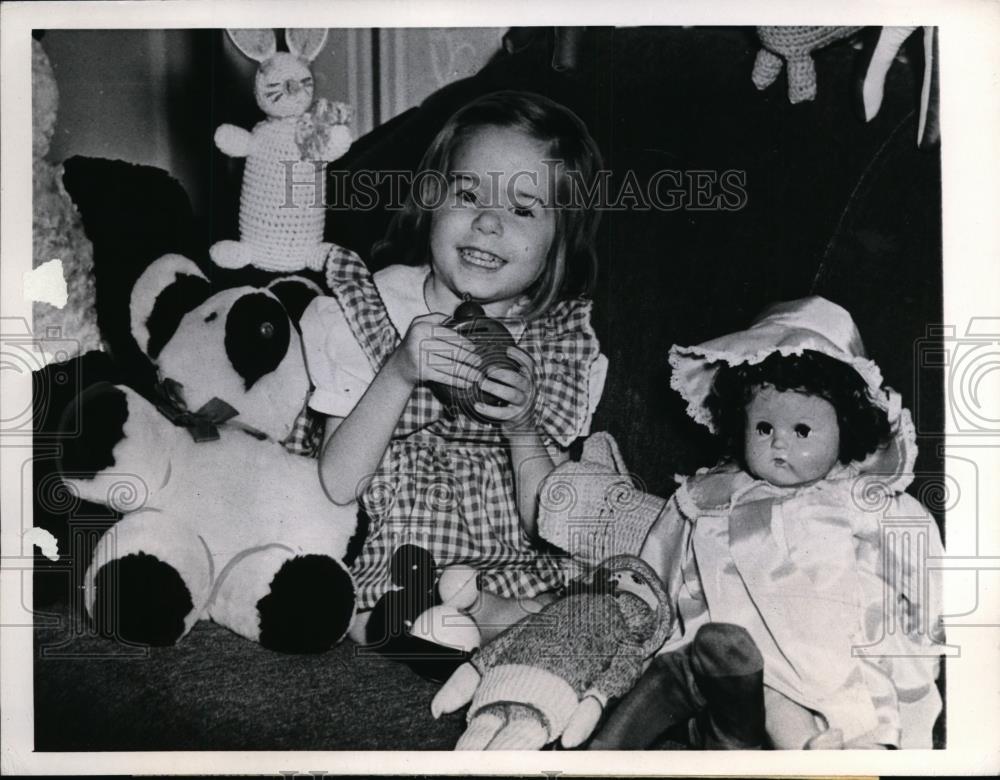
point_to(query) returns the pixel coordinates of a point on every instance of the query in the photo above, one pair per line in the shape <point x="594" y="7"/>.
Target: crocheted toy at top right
<point x="794" y="46"/>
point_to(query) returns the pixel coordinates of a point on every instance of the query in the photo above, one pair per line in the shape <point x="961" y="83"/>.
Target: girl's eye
<point x="467" y="196"/>
<point x="802" y="430"/>
<point x="524" y="211"/>
<point x="764" y="428"/>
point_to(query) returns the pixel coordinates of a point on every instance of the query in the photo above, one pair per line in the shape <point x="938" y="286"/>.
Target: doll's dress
<point x="819" y="575"/>
<point x="445" y="483"/>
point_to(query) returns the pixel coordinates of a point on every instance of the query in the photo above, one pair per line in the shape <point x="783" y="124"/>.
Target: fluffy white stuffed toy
<point x="281" y="225"/>
<point x="220" y="521"/>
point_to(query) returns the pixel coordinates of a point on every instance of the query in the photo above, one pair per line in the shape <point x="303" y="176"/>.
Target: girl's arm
<point x="531" y="463"/>
<point x="530" y="460"/>
<point x="354" y="445"/>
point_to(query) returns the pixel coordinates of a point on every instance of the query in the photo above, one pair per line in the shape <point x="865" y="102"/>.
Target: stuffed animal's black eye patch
<point x="186" y="293"/>
<point x="212" y="317"/>
<point x="257" y="336"/>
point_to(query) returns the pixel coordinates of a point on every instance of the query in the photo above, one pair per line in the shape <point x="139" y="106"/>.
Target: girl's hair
<point x="863" y="425"/>
<point x="571" y="269"/>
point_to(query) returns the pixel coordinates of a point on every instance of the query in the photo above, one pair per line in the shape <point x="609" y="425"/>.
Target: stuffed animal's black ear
<point x="167" y="290"/>
<point x="295" y="293"/>
<point x="102" y="410"/>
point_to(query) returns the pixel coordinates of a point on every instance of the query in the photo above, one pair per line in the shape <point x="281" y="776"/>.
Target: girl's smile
<point x="491" y="238"/>
<point x="480" y="258"/>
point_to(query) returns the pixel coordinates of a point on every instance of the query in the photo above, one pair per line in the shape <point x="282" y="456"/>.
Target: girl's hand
<point x="517" y="388"/>
<point x="431" y="352"/>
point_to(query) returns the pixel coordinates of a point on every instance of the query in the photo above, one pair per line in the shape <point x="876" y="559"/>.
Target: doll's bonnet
<point x="789" y="328"/>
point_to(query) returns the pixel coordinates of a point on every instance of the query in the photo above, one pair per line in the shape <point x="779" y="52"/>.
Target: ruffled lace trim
<point x="695" y="389"/>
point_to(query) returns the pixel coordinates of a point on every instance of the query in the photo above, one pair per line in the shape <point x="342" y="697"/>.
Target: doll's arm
<point x="233" y="141"/>
<point x="618" y="677"/>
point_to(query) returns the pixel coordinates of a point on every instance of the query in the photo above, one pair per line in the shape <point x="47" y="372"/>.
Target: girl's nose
<point x="487" y="221"/>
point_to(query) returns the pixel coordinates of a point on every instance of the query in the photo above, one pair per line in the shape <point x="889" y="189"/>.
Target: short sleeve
<point x="598" y="375"/>
<point x="573" y="370"/>
<point x="339" y="371"/>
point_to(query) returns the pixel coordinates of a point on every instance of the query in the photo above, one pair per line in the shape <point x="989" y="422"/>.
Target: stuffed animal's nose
<point x="292" y="86"/>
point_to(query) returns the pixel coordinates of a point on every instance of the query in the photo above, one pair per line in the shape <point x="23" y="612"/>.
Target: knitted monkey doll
<point x="552" y="674"/>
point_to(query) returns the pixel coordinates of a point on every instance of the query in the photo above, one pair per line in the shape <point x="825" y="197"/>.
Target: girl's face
<point x="491" y="239"/>
<point x="791" y="438"/>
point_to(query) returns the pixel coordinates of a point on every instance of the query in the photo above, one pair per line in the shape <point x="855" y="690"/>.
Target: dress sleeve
<point x="571" y="371"/>
<point x="338" y="369"/>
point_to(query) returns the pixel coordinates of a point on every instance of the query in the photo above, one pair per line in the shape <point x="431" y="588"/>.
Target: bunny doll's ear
<point x="306" y="42"/>
<point x="256" y="44"/>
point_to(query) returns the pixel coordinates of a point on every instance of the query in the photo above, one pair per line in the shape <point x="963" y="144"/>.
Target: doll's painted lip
<point x="480" y="258"/>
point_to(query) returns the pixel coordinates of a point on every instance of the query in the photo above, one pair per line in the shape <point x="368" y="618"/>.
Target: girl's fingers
<point x="464" y="378"/>
<point x="499" y="413"/>
<point x="439" y="353"/>
<point x="522" y="357"/>
<point x="512" y="378"/>
<point x="511" y="395"/>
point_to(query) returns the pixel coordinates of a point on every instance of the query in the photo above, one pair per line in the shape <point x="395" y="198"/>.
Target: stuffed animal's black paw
<point x="140" y="599"/>
<point x="309" y="607"/>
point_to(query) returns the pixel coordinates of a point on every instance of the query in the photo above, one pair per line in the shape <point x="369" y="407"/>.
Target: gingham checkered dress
<point x="445" y="482"/>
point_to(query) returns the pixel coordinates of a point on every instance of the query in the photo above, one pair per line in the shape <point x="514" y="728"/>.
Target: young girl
<point x="787" y="539"/>
<point x="490" y="219"/>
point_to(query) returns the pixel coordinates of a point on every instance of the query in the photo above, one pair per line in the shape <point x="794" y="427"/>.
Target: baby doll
<point x="783" y="537"/>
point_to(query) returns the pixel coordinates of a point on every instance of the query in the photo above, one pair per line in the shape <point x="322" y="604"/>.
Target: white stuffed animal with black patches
<point x="282" y="203"/>
<point x="220" y="521"/>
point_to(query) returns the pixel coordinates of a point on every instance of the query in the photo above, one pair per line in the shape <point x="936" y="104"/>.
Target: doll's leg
<point x="495" y="614"/>
<point x="729" y="672"/>
<point x="467" y="616"/>
<point x="789" y="725"/>
<point x="719" y="674"/>
<point x="504" y="727"/>
<point x="664" y="696"/>
<point x="287" y="602"/>
<point x="524" y="730"/>
<point x="482" y="728"/>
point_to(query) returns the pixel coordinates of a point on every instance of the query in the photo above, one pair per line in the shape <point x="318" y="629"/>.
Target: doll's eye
<point x="802" y="430"/>
<point x="764" y="428"/>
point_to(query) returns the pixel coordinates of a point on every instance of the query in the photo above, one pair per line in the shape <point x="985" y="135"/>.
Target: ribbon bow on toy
<point x="314" y="130"/>
<point x="203" y="425"/>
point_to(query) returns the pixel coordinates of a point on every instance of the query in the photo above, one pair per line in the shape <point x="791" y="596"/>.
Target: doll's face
<point x="791" y="438"/>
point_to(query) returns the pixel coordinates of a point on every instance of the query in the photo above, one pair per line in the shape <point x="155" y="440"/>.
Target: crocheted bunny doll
<point x="281" y="224"/>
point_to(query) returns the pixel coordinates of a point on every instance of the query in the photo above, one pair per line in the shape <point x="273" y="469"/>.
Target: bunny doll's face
<point x="284" y="86"/>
